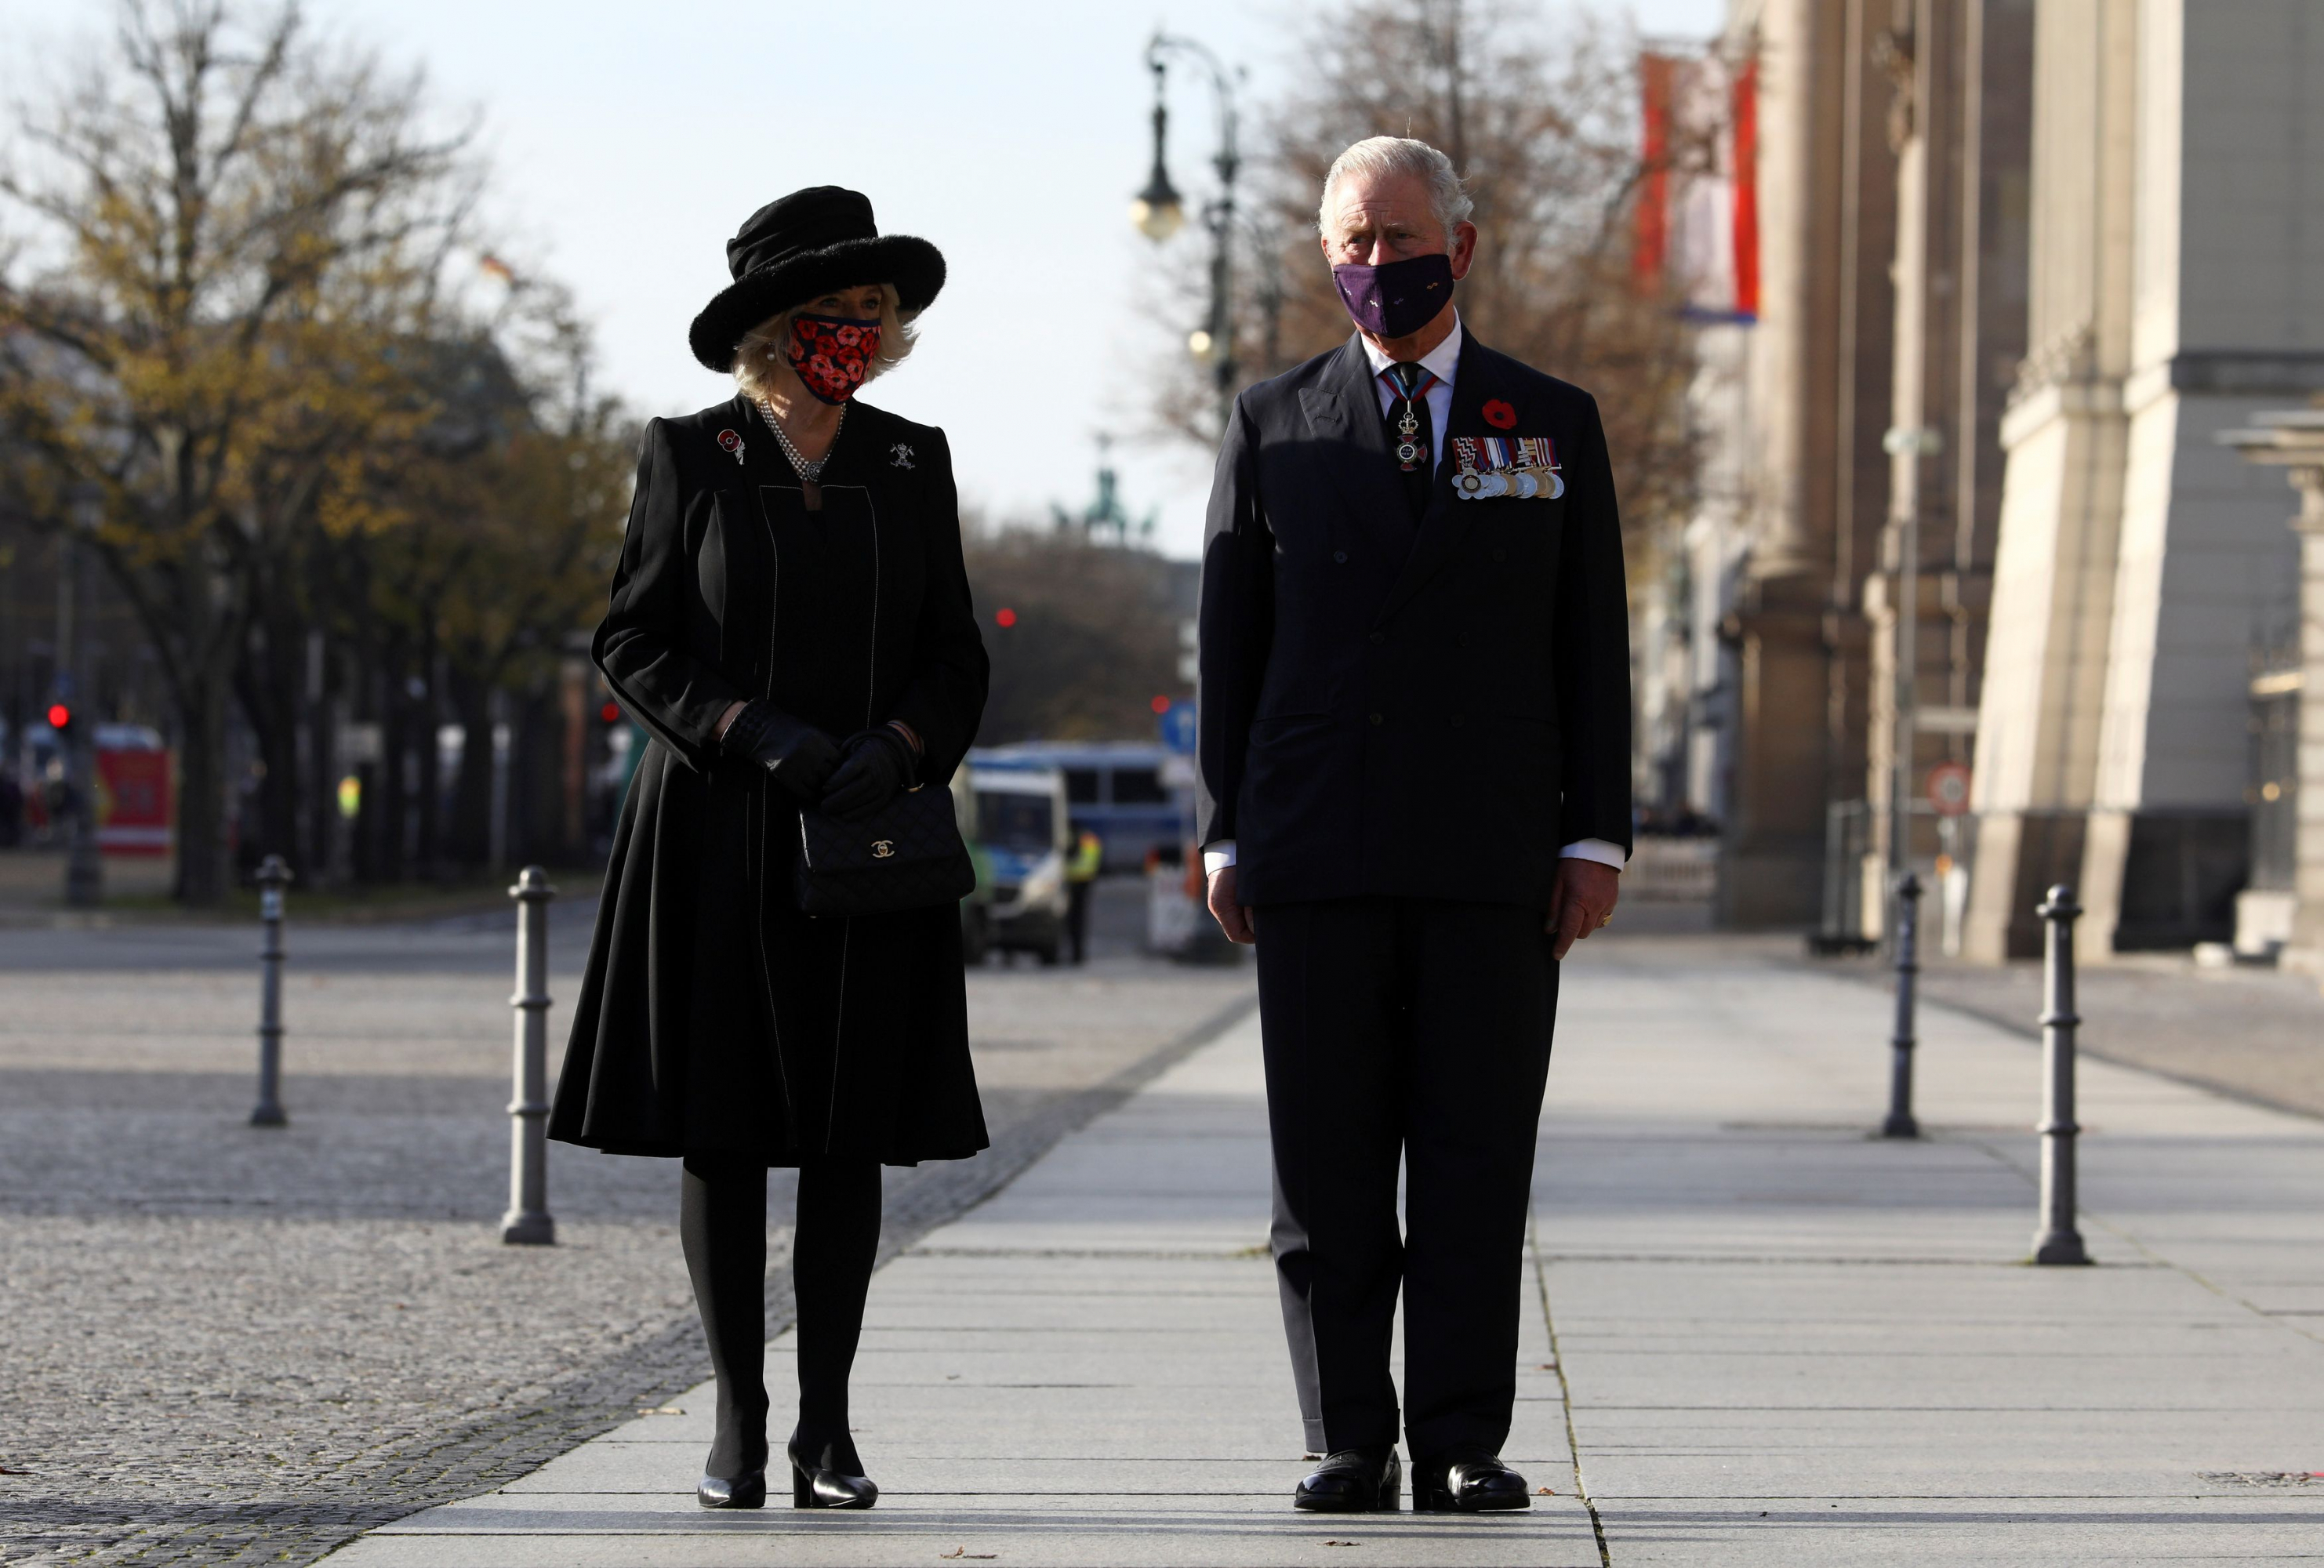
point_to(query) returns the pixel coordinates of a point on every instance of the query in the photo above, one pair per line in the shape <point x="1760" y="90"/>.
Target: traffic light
<point x="1006" y="618"/>
<point x="611" y="714"/>
<point x="61" y="717"/>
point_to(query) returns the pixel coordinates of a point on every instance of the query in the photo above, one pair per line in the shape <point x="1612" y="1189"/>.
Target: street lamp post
<point x="1159" y="211"/>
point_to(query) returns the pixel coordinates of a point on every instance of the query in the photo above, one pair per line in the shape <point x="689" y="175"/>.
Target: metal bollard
<point x="2058" y="1240"/>
<point x="1900" y="1122"/>
<point x="527" y="1222"/>
<point x="273" y="876"/>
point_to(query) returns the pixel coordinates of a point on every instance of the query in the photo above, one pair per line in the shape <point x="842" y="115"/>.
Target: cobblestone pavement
<point x="224" y="1344"/>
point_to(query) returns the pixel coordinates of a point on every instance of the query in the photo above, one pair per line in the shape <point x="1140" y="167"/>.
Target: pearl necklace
<point x="810" y="472"/>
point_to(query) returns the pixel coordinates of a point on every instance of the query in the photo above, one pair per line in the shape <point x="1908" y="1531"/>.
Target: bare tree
<point x="1091" y="635"/>
<point x="1538" y="109"/>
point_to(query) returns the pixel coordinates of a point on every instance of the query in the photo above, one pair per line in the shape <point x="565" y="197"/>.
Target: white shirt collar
<point x="1438" y="362"/>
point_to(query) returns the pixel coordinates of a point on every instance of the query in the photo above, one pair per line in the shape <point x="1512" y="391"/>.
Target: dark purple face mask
<point x="1399" y="298"/>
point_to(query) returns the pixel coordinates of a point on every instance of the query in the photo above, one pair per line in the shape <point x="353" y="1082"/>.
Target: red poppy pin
<point x="728" y="442"/>
<point x="1499" y="415"/>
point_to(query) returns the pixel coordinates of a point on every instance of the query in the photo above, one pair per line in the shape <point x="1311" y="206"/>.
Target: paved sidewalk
<point x="1775" y="1339"/>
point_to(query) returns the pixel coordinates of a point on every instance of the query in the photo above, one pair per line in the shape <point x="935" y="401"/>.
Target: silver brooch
<point x="900" y="455"/>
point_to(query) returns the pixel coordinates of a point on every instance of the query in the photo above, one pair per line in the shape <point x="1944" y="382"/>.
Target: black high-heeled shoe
<point x="743" y="1491"/>
<point x="740" y="1438"/>
<point x="823" y="1477"/>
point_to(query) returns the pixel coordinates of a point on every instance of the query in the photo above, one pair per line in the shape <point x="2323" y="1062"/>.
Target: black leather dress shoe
<point x="743" y="1491"/>
<point x="1467" y="1483"/>
<point x="1354" y="1481"/>
<point x="823" y="1476"/>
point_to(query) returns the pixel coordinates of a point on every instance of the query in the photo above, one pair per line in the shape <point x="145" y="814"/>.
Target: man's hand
<point x="1582" y="901"/>
<point x="1233" y="918"/>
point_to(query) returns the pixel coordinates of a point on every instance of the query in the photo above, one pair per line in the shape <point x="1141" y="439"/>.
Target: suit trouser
<point x="1421" y="1028"/>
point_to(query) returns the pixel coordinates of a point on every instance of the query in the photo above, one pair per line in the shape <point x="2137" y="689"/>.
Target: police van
<point x="1020" y="833"/>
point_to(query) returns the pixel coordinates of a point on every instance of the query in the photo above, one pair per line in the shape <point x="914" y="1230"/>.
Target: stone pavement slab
<point x="1788" y="1342"/>
<point x="1773" y="1338"/>
<point x="1086" y="1369"/>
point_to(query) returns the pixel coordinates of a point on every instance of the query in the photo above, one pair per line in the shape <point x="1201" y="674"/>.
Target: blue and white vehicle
<point x="1023" y="833"/>
<point x="1135" y="796"/>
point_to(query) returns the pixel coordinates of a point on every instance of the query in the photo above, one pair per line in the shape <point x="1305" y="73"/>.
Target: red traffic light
<point x="1161" y="704"/>
<point x="1007" y="617"/>
<point x="611" y="712"/>
<point x="59" y="717"/>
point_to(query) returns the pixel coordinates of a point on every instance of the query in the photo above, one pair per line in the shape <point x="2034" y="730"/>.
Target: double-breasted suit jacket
<point x="1432" y="716"/>
<point x="713" y="1015"/>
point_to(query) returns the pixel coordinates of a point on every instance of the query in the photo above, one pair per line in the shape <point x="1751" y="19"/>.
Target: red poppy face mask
<point x="831" y="354"/>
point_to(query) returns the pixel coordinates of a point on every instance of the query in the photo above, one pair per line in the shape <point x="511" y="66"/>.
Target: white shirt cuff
<point x="1218" y="856"/>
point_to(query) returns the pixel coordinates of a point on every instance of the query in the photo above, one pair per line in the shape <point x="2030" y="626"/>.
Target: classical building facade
<point x="1891" y="164"/>
<point x="2021" y="262"/>
<point x="2177" y="289"/>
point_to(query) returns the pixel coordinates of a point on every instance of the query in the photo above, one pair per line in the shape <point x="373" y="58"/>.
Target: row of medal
<point x="1523" y="467"/>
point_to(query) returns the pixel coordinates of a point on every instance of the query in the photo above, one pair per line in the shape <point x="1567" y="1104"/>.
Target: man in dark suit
<point x="1416" y="770"/>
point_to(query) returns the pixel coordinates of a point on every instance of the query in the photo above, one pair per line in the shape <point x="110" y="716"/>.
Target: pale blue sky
<point x="631" y="141"/>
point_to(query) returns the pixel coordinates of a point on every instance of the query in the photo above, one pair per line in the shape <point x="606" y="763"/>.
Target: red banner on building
<point x="1697" y="233"/>
<point x="1651" y="251"/>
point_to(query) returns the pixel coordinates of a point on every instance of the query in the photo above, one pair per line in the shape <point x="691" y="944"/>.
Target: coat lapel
<point x="1343" y="408"/>
<point x="1447" y="521"/>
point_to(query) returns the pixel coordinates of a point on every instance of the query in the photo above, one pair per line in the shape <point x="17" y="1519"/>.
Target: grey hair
<point x="1448" y="199"/>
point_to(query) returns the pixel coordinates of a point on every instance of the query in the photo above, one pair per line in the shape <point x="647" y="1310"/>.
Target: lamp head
<point x="1157" y="211"/>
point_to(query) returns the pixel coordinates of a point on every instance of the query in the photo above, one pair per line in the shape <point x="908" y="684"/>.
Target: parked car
<point x="1022" y="834"/>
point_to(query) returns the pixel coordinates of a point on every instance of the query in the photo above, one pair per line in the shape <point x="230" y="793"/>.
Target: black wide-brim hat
<point x="804" y="244"/>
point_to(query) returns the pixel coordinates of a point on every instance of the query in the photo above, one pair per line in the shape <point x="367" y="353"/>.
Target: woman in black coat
<point x="791" y="623"/>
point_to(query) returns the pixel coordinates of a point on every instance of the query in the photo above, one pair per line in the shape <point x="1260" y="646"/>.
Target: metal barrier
<point x="273" y="876"/>
<point x="2058" y="1240"/>
<point x="527" y="1222"/>
<point x="1900" y="1122"/>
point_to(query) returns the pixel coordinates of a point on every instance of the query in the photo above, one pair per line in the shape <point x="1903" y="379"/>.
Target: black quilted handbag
<point x="906" y="855"/>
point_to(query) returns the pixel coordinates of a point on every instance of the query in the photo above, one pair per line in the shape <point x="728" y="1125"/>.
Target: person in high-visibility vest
<point x="1081" y="876"/>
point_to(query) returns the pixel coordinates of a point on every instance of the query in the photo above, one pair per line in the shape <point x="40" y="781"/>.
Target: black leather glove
<point x="875" y="765"/>
<point x="799" y="756"/>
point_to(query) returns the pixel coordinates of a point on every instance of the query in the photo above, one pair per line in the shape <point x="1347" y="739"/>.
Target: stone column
<point x="1818" y="377"/>
<point x="2293" y="440"/>
<point x="2308" y="839"/>
<point x="2066" y="439"/>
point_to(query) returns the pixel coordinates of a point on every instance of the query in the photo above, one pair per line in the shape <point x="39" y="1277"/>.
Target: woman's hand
<point x="874" y="766"/>
<point x="799" y="756"/>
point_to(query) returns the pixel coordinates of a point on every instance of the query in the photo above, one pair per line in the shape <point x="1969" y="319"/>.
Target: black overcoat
<point x="713" y="1015"/>
<point x="1429" y="718"/>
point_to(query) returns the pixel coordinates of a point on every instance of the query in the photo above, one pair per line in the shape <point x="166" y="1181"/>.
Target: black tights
<point x="722" y="1223"/>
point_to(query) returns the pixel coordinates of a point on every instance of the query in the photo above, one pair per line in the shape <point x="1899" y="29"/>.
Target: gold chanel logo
<point x="883" y="849"/>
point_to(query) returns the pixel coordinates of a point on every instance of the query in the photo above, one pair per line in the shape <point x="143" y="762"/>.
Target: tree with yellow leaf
<point x="218" y="240"/>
